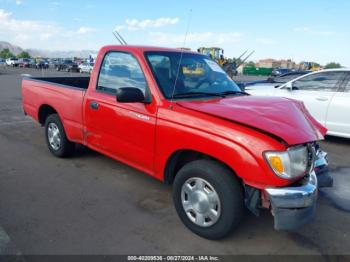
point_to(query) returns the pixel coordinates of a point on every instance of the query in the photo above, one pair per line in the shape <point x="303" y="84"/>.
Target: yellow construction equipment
<point x="215" y="53"/>
<point x="229" y="65"/>
<point x="312" y="66"/>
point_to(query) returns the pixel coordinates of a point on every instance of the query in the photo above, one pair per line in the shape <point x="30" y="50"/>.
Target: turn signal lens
<point x="276" y="163"/>
<point x="291" y="163"/>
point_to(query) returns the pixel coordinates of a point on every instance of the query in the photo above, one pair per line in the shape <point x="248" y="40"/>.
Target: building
<point x="288" y="64"/>
<point x="267" y="63"/>
<point x="273" y="63"/>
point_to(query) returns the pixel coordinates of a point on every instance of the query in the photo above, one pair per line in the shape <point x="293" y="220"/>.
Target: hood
<point x="282" y="117"/>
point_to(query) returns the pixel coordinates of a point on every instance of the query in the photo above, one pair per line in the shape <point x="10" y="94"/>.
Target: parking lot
<point x="90" y="204"/>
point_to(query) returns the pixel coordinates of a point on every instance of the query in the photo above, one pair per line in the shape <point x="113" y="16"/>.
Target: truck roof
<point x="144" y="48"/>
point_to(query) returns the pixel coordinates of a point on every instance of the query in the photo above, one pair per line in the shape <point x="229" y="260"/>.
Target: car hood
<point x="282" y="117"/>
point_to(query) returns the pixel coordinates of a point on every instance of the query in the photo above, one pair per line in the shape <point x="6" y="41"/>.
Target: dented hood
<point x="282" y="117"/>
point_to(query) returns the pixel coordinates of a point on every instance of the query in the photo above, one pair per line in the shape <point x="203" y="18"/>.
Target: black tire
<point x="227" y="187"/>
<point x="66" y="147"/>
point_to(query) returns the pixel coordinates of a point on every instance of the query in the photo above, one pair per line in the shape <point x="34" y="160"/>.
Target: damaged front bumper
<point x="324" y="178"/>
<point x="294" y="206"/>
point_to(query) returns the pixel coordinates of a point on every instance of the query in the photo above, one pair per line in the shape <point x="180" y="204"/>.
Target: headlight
<point x="295" y="162"/>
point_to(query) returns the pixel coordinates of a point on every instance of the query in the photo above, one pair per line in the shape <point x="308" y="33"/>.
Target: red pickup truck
<point x="178" y="117"/>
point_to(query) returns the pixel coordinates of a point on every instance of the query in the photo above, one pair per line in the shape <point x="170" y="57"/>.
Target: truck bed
<point x="81" y="82"/>
<point x="64" y="95"/>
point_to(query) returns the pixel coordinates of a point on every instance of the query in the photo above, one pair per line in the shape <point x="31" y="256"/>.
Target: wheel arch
<point x="181" y="157"/>
<point x="44" y="111"/>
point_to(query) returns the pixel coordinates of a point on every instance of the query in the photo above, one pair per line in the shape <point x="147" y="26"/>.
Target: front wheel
<point x="208" y="198"/>
<point x="56" y="137"/>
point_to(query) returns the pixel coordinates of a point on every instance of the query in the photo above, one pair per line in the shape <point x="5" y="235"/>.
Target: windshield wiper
<point x="232" y="93"/>
<point x="191" y="94"/>
<point x="221" y="94"/>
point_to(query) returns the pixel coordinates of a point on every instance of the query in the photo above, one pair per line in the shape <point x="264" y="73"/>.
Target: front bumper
<point x="294" y="206"/>
<point x="324" y="178"/>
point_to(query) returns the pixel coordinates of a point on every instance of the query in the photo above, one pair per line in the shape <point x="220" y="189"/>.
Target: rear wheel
<point x="56" y="137"/>
<point x="208" y="198"/>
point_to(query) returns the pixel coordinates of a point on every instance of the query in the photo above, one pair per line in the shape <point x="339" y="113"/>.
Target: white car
<point x="325" y="93"/>
<point x="86" y="67"/>
<point x="12" y="61"/>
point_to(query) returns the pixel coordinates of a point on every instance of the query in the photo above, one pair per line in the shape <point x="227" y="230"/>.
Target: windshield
<point x="287" y="77"/>
<point x="198" y="75"/>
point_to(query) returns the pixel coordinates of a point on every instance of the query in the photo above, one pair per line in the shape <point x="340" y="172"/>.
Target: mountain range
<point x="46" y="53"/>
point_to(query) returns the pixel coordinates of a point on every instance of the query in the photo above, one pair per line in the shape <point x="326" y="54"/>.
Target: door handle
<point x="320" y="98"/>
<point x="94" y="105"/>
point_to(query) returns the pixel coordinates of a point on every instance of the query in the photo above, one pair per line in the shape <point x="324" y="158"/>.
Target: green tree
<point x="250" y="64"/>
<point x="23" y="55"/>
<point x="332" y="65"/>
<point x="6" y="53"/>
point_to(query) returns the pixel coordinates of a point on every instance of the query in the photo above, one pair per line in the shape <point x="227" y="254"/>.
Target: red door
<point x="125" y="131"/>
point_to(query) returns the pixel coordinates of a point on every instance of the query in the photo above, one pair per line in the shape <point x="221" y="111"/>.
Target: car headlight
<point x="295" y="162"/>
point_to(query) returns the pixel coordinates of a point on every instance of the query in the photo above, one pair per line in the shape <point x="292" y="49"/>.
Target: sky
<point x="313" y="30"/>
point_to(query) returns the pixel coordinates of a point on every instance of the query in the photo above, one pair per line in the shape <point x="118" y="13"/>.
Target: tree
<point x="6" y="53"/>
<point x="332" y="65"/>
<point x="250" y="64"/>
<point x="23" y="55"/>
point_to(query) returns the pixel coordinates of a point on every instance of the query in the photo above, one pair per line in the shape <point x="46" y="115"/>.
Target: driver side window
<point x="118" y="70"/>
<point x="326" y="82"/>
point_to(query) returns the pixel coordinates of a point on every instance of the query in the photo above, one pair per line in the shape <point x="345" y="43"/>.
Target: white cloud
<point x="18" y="2"/>
<point x="204" y="38"/>
<point x="20" y="38"/>
<point x="135" y="24"/>
<point x="265" y="41"/>
<point x="7" y="23"/>
<point x="302" y="29"/>
<point x="324" y="33"/>
<point x="311" y="31"/>
<point x="42" y="34"/>
<point x="86" y="30"/>
<point x="55" y="3"/>
<point x="45" y="36"/>
<point x="167" y="38"/>
<point x="232" y="37"/>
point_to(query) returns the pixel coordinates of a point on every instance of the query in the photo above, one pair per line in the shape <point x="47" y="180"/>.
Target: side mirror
<point x="130" y="95"/>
